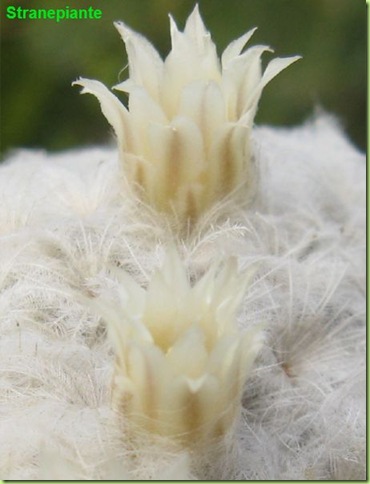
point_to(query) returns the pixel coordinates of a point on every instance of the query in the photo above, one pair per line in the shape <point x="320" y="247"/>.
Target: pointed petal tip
<point x="89" y="85"/>
<point x="196" y="8"/>
<point x="250" y="32"/>
<point x="173" y="24"/>
<point x="289" y="60"/>
<point x="123" y="29"/>
<point x="195" y="385"/>
<point x="195" y="19"/>
<point x="195" y="11"/>
<point x="120" y="24"/>
<point x="293" y="58"/>
<point x="84" y="83"/>
<point x="78" y="81"/>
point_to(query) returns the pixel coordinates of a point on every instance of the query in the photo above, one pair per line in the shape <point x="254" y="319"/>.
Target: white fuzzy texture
<point x="64" y="221"/>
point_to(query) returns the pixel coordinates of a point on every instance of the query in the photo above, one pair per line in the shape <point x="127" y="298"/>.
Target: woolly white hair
<point x="64" y="221"/>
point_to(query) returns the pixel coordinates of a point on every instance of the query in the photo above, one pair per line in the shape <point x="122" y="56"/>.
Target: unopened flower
<point x="184" y="140"/>
<point x="181" y="362"/>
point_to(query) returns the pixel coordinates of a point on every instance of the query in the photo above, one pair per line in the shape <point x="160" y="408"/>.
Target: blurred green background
<point x="40" y="59"/>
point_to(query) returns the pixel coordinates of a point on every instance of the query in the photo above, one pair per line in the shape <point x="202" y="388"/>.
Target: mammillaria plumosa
<point x="91" y="308"/>
<point x="184" y="140"/>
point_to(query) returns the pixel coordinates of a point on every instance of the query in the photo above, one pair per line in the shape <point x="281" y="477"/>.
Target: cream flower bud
<point x="181" y="362"/>
<point x="184" y="140"/>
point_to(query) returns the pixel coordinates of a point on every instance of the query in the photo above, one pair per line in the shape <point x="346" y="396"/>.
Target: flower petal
<point x="148" y="370"/>
<point x="179" y="154"/>
<point x="203" y="102"/>
<point x="165" y="317"/>
<point x="145" y="64"/>
<point x="197" y="32"/>
<point x="193" y="57"/>
<point x="253" y="92"/>
<point x="241" y="78"/>
<point x="114" y="111"/>
<point x="144" y="110"/>
<point x="130" y="293"/>
<point x="235" y="48"/>
<point x="190" y="343"/>
<point x="276" y="66"/>
<point x="230" y="159"/>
